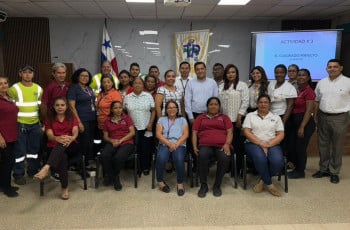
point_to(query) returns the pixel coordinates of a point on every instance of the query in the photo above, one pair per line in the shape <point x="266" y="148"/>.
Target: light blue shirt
<point x="197" y="93"/>
<point x="172" y="132"/>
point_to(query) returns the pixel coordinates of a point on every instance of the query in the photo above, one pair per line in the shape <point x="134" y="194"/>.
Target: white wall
<point x="79" y="41"/>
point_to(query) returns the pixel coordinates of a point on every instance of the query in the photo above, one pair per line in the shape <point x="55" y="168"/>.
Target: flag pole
<point x="106" y="23"/>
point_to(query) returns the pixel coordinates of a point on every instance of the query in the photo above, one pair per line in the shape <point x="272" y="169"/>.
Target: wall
<point x="79" y="41"/>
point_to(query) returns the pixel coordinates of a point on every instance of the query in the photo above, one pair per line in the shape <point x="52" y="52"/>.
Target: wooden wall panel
<point x="25" y="41"/>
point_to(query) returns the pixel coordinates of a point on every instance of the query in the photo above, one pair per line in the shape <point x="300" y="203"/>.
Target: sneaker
<point x="10" y="192"/>
<point x="290" y="165"/>
<point x="20" y="181"/>
<point x="117" y="185"/>
<point x="217" y="191"/>
<point x="203" y="190"/>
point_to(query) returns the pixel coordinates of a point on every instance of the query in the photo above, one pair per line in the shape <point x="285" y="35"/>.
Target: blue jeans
<point x="266" y="166"/>
<point x="27" y="146"/>
<point x="178" y="158"/>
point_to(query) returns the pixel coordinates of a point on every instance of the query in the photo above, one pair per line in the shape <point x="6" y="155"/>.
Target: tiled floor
<point x="310" y="204"/>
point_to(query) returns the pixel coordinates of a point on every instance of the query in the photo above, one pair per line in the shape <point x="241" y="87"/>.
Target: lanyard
<point x="184" y="87"/>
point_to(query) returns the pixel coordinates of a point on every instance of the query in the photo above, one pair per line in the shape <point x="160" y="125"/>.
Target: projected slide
<point x="310" y="50"/>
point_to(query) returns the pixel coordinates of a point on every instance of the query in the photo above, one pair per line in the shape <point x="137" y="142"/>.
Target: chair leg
<point x="97" y="179"/>
<point x="84" y="171"/>
<point x="285" y="176"/>
<point x="135" y="169"/>
<point x="189" y="169"/>
<point x="234" y="165"/>
<point x="153" y="167"/>
<point x="42" y="187"/>
<point x="245" y="172"/>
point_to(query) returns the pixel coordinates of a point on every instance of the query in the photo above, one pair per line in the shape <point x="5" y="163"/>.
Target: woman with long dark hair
<point x="257" y="87"/>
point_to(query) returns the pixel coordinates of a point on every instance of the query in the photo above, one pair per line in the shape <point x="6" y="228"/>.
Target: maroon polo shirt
<point x="212" y="131"/>
<point x="60" y="128"/>
<point x="118" y="130"/>
<point x="52" y="91"/>
<point x="8" y="120"/>
<point x="304" y="95"/>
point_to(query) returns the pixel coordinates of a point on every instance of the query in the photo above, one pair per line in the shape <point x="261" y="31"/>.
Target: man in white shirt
<point x="333" y="106"/>
<point x="182" y="80"/>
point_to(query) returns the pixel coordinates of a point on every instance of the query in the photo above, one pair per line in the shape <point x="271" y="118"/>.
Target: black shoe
<point x="12" y="187"/>
<point x="203" y="190"/>
<point x="117" y="184"/>
<point x="146" y="172"/>
<point x="180" y="192"/>
<point x="334" y="179"/>
<point x="320" y="174"/>
<point x="296" y="175"/>
<point x="55" y="177"/>
<point x="165" y="188"/>
<point x="217" y="191"/>
<point x="10" y="192"/>
<point x="107" y="181"/>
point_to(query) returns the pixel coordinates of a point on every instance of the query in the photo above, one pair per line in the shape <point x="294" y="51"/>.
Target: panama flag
<point x="108" y="53"/>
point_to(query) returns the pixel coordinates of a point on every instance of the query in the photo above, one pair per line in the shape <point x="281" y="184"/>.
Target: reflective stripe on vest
<point x="32" y="156"/>
<point x="28" y="114"/>
<point x="20" y="159"/>
<point x="98" y="82"/>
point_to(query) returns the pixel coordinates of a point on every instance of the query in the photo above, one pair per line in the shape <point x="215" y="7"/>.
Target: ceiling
<point x="199" y="9"/>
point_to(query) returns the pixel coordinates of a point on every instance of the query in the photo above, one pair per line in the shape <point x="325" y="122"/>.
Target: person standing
<point x="182" y="80"/>
<point x="293" y="70"/>
<point x="332" y="107"/>
<point x="8" y="136"/>
<point x="198" y="91"/>
<point x="218" y="74"/>
<point x="106" y="69"/>
<point x="27" y="96"/>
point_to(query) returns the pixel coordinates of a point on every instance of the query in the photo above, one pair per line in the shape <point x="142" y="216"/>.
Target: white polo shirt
<point x="333" y="95"/>
<point x="263" y="128"/>
<point x="279" y="96"/>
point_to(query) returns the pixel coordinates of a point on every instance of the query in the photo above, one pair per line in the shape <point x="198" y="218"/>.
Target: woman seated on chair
<point x="172" y="133"/>
<point x="212" y="136"/>
<point x="118" y="133"/>
<point x="62" y="130"/>
<point x="264" y="132"/>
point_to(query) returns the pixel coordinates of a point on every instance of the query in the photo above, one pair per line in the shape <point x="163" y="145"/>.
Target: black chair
<point x="233" y="169"/>
<point x="283" y="172"/>
<point x="77" y="160"/>
<point x="188" y="160"/>
<point x="132" y="157"/>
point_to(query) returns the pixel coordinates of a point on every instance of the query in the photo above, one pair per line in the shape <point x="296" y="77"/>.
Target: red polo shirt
<point x="8" y="120"/>
<point x="118" y="130"/>
<point x="304" y="95"/>
<point x="52" y="91"/>
<point x="212" y="131"/>
<point x="60" y="128"/>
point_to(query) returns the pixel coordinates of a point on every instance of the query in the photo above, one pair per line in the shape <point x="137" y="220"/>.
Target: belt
<point x="333" y="114"/>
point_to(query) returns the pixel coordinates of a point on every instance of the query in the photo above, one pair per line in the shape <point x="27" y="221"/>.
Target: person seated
<point x="172" y="133"/>
<point x="264" y="132"/>
<point x="212" y="136"/>
<point x="62" y="131"/>
<point x="118" y="133"/>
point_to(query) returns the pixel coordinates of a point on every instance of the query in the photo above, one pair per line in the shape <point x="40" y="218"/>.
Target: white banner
<point x="191" y="46"/>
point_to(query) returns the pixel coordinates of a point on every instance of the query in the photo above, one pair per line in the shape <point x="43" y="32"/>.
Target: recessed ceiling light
<point x="151" y="43"/>
<point x="233" y="2"/>
<point x="214" y="51"/>
<point x="225" y="46"/>
<point x="148" y="32"/>
<point x="152" y="48"/>
<point x="117" y="46"/>
<point x="141" y="1"/>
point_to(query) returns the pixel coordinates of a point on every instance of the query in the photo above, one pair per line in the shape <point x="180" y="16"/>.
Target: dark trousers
<point x="58" y="160"/>
<point x="238" y="145"/>
<point x="113" y="158"/>
<point x="298" y="145"/>
<point x="145" y="148"/>
<point x="205" y="155"/>
<point x="86" y="140"/>
<point x="7" y="160"/>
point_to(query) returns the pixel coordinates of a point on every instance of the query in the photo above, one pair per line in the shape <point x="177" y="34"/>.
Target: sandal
<point x="165" y="188"/>
<point x="44" y="172"/>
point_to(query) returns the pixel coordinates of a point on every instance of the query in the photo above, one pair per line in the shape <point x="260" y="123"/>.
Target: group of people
<point x="210" y="118"/>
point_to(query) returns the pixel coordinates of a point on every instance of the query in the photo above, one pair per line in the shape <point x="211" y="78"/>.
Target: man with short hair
<point x="218" y="74"/>
<point x="198" y="91"/>
<point x="27" y="96"/>
<point x="153" y="70"/>
<point x="182" y="80"/>
<point x="106" y="68"/>
<point x="333" y="106"/>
